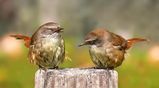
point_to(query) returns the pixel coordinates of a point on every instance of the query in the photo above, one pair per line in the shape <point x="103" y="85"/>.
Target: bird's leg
<point x="99" y="67"/>
<point x="110" y="68"/>
<point x="56" y="67"/>
<point x="91" y="68"/>
<point x="42" y="68"/>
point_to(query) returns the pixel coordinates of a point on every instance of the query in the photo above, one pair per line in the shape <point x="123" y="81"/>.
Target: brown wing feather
<point x="118" y="41"/>
<point x="132" y="41"/>
<point x="22" y="37"/>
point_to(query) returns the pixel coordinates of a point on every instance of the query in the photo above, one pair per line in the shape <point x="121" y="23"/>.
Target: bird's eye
<point x="94" y="41"/>
<point x="49" y="29"/>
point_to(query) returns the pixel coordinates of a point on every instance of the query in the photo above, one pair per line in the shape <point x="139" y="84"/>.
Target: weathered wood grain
<point x="76" y="78"/>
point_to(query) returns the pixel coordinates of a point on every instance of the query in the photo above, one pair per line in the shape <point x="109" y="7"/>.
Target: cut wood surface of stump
<point x="76" y="78"/>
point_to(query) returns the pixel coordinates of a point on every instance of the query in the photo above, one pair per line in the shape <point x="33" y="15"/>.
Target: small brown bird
<point x="107" y="49"/>
<point x="46" y="46"/>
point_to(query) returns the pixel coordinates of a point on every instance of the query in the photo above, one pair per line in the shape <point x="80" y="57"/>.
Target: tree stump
<point x="76" y="78"/>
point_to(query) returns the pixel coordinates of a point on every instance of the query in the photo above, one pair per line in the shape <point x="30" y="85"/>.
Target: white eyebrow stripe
<point x="50" y="27"/>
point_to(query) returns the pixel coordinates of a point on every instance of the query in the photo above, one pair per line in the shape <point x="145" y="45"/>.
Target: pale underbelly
<point x="106" y="58"/>
<point x="50" y="54"/>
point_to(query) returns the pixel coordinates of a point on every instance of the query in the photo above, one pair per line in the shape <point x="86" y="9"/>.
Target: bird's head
<point x="95" y="37"/>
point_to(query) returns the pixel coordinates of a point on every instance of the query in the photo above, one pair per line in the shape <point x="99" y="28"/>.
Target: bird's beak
<point x="86" y="42"/>
<point x="59" y="29"/>
<point x="82" y="44"/>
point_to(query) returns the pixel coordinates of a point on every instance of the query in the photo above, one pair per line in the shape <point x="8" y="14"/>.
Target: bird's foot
<point x="42" y="68"/>
<point x="108" y="68"/>
<point x="56" y="67"/>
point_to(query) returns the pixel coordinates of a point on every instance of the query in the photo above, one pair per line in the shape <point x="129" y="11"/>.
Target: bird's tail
<point x="133" y="41"/>
<point x="22" y="37"/>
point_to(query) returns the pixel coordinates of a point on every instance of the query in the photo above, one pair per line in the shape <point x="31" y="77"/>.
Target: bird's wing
<point x="118" y="41"/>
<point x="22" y="37"/>
<point x="132" y="41"/>
<point x="62" y="46"/>
<point x="31" y="54"/>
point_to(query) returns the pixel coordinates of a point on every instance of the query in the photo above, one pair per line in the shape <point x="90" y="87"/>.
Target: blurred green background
<point x="129" y="18"/>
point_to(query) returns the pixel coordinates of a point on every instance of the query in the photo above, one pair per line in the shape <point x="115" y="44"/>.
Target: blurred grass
<point x="135" y="72"/>
<point x="17" y="72"/>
